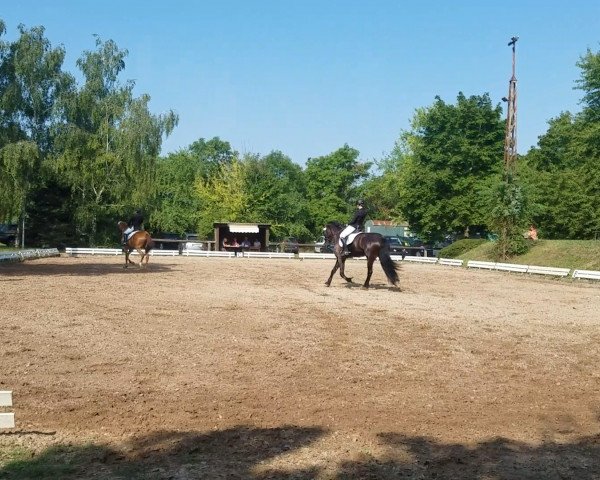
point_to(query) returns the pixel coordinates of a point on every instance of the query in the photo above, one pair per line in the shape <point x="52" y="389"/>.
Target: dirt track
<point x="237" y="368"/>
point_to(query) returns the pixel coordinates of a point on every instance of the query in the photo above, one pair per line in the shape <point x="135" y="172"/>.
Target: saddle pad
<point x="350" y="238"/>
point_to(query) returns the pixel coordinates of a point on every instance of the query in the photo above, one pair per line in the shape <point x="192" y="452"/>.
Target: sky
<point x="307" y="76"/>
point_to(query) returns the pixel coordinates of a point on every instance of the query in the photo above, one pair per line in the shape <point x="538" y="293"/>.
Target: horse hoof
<point x="364" y="287"/>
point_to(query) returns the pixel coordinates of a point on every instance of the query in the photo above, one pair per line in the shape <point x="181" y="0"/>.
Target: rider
<point x="356" y="224"/>
<point x="135" y="223"/>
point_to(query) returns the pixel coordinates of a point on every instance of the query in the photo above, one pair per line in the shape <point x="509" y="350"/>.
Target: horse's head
<point x="331" y="230"/>
<point x="122" y="225"/>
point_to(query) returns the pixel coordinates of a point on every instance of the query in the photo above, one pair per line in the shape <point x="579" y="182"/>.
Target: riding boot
<point x="345" y="249"/>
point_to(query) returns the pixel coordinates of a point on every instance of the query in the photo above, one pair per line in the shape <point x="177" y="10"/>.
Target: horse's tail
<point x="389" y="267"/>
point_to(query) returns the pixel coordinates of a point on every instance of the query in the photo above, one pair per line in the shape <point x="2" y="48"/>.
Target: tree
<point x="563" y="169"/>
<point x="332" y="186"/>
<point x="446" y="161"/>
<point x="108" y="144"/>
<point x="276" y="195"/>
<point x="178" y="205"/>
<point x="382" y="190"/>
<point x="223" y="197"/>
<point x="212" y="154"/>
<point x="31" y="79"/>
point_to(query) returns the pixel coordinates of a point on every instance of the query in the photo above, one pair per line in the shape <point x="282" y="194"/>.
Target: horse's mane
<point x="335" y="225"/>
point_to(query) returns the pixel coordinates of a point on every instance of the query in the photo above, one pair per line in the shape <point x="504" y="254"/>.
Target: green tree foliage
<point x="212" y="154"/>
<point x="508" y="217"/>
<point x="563" y="169"/>
<point x="31" y="78"/>
<point x="257" y="189"/>
<point x="223" y="197"/>
<point x="177" y="204"/>
<point x="382" y="190"/>
<point x="446" y="162"/>
<point x="108" y="145"/>
<point x="332" y="186"/>
<point x="589" y="82"/>
<point x="276" y="194"/>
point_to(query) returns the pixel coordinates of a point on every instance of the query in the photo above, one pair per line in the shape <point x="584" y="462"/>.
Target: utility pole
<point x="510" y="139"/>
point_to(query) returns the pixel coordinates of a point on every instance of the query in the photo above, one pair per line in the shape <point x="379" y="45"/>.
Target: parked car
<point x="416" y="247"/>
<point x="8" y="233"/>
<point x="290" y="245"/>
<point x="193" y="242"/>
<point x="396" y="245"/>
<point x="319" y="244"/>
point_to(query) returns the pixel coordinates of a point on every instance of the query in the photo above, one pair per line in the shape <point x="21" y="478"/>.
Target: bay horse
<point x="372" y="245"/>
<point x="141" y="241"/>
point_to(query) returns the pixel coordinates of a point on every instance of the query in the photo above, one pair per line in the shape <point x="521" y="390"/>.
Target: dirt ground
<point x="238" y="368"/>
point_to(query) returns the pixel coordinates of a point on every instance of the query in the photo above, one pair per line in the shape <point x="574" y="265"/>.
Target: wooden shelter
<point x="253" y="231"/>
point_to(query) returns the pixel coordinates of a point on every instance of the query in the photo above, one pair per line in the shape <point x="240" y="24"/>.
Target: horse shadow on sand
<point x="91" y="268"/>
<point x="244" y="452"/>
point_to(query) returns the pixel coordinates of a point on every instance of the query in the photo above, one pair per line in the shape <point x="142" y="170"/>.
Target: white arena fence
<point x="589" y="274"/>
<point x="7" y="419"/>
<point x="452" y="262"/>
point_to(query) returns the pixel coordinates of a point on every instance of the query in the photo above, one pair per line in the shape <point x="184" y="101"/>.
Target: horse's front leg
<point x="126" y="258"/>
<point x="342" y="266"/>
<point x="335" y="267"/>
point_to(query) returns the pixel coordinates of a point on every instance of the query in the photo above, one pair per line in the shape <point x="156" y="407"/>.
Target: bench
<point x="588" y="274"/>
<point x="7" y="420"/>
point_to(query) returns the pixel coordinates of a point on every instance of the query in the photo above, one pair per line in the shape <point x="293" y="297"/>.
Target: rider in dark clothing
<point x="357" y="222"/>
<point x="137" y="220"/>
<point x="135" y="223"/>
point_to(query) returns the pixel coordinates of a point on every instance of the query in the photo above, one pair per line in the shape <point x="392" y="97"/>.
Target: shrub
<point x="513" y="246"/>
<point x="461" y="246"/>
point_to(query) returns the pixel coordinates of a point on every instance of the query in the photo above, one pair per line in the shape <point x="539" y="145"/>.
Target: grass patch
<point x="580" y="254"/>
<point x="460" y="247"/>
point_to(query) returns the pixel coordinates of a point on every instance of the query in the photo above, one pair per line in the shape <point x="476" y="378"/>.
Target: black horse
<point x="372" y="245"/>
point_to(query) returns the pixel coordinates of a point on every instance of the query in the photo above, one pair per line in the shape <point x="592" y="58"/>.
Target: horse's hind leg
<point x="370" y="261"/>
<point x="146" y="257"/>
<point x="141" y="254"/>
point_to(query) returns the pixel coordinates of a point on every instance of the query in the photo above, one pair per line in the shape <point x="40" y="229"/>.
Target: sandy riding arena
<point x="253" y="369"/>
